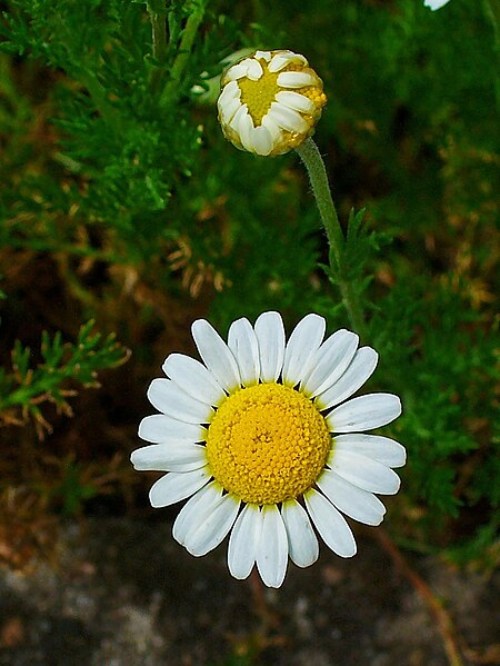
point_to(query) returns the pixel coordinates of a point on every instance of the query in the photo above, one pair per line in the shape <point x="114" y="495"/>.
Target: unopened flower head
<point x="270" y="102"/>
<point x="264" y="439"/>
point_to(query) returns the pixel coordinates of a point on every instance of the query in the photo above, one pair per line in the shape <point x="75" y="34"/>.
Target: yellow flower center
<point x="259" y="95"/>
<point x="267" y="443"/>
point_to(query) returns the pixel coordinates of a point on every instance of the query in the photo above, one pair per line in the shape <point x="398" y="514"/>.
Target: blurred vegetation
<point x="122" y="204"/>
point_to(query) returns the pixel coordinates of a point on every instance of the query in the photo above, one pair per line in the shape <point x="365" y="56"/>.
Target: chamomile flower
<point x="270" y="102"/>
<point x="264" y="439"/>
<point x="435" y="4"/>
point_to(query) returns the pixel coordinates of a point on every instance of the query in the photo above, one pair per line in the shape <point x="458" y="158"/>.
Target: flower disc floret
<point x="270" y="102"/>
<point x="267" y="443"/>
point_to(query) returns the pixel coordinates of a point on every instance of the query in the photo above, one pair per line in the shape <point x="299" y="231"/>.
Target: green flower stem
<point x="310" y="155"/>
<point x="157" y="11"/>
<point x="492" y="10"/>
<point x="187" y="41"/>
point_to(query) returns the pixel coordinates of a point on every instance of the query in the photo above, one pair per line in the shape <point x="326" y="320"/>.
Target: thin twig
<point x="443" y="620"/>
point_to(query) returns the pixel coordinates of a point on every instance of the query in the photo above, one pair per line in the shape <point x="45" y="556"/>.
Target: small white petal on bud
<point x="270" y="102"/>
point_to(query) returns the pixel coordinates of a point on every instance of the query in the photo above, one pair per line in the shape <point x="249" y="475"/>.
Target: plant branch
<point x="492" y="10"/>
<point x="100" y="98"/>
<point x="311" y="157"/>
<point x="157" y="15"/>
<point x="187" y="41"/>
<point x="157" y="11"/>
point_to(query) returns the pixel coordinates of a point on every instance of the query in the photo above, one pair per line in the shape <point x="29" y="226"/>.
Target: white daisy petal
<point x="238" y="71"/>
<point x="272" y="551"/>
<point x="364" y="472"/>
<point x="270" y="334"/>
<point x="242" y="125"/>
<point x="195" y="510"/>
<point x="242" y="112"/>
<point x="351" y="500"/>
<point x="228" y="109"/>
<point x="296" y="80"/>
<point x="209" y="533"/>
<point x="295" y="101"/>
<point x="287" y="118"/>
<point x="303" y="343"/>
<point x="244" y="541"/>
<point x="263" y="55"/>
<point x="364" y="413"/>
<point x="171" y="457"/>
<point x="255" y="70"/>
<point x="330" y="524"/>
<point x="284" y="58"/>
<point x="158" y="429"/>
<point x="176" y="486"/>
<point x="245" y="129"/>
<point x="193" y="378"/>
<point x="382" y="449"/>
<point x="230" y="92"/>
<point x="243" y="343"/>
<point x="216" y="355"/>
<point x="329" y="362"/>
<point x="302" y="542"/>
<point x="261" y="140"/>
<point x="359" y="371"/>
<point x="272" y="128"/>
<point x="167" y="398"/>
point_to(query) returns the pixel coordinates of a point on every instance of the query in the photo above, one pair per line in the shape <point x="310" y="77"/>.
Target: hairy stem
<point x="310" y="155"/>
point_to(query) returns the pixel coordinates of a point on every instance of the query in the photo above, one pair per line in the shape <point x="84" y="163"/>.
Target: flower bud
<point x="270" y="102"/>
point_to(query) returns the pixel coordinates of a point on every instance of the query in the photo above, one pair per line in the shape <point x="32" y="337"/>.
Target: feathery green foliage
<point x="122" y="203"/>
<point x="25" y="388"/>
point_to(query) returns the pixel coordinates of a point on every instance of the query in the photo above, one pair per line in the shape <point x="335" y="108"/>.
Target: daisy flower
<point x="264" y="439"/>
<point x="270" y="102"/>
<point x="435" y="4"/>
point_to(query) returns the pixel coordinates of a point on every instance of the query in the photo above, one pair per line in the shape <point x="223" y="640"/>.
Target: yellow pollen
<point x="314" y="93"/>
<point x="267" y="443"/>
<point x="259" y="95"/>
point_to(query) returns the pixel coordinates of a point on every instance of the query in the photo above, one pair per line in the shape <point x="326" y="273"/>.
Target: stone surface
<point x="125" y="594"/>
